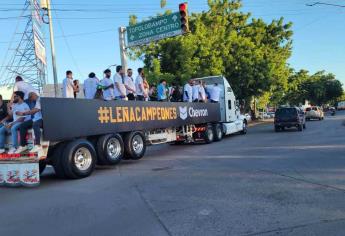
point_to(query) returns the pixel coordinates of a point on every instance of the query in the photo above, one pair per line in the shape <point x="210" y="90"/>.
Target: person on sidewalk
<point x="36" y="124"/>
<point x="19" y="106"/>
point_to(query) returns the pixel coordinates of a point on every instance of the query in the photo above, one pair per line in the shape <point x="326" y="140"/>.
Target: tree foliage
<point x="319" y="88"/>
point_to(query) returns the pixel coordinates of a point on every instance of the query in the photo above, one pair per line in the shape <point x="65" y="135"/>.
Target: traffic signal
<point x="184" y="17"/>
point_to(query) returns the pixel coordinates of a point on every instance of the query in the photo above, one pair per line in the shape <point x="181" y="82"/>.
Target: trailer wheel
<point x="209" y="135"/>
<point x="56" y="160"/>
<point x="218" y="132"/>
<point x="135" y="146"/>
<point x="110" y="149"/>
<point x="79" y="159"/>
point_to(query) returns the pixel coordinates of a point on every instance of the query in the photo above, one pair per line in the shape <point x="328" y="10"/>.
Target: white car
<point x="314" y="113"/>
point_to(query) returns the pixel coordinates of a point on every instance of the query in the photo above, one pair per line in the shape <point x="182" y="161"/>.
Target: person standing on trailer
<point x="195" y="91"/>
<point x="140" y="88"/>
<point x="77" y="88"/>
<point x="21" y="85"/>
<point x="36" y="124"/>
<point x="119" y="84"/>
<point x="215" y="93"/>
<point x="130" y="85"/>
<point x="162" y="91"/>
<point x="90" y="86"/>
<point x="202" y="92"/>
<point x="188" y="91"/>
<point x="68" y="87"/>
<point x="18" y="106"/>
<point x="108" y="86"/>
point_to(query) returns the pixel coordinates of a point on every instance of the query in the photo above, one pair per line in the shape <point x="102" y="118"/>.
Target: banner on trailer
<point x="71" y="118"/>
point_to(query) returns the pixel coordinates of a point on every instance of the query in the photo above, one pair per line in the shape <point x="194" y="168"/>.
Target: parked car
<point x="271" y="114"/>
<point x="314" y="113"/>
<point x="288" y="117"/>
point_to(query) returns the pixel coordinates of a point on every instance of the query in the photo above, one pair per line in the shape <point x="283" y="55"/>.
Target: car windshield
<point x="286" y="112"/>
<point x="314" y="108"/>
<point x="308" y="109"/>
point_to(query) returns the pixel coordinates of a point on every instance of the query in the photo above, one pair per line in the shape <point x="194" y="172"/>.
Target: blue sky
<point x="91" y="42"/>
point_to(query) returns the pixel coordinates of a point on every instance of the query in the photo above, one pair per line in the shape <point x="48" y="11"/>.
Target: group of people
<point x="123" y="86"/>
<point x="22" y="113"/>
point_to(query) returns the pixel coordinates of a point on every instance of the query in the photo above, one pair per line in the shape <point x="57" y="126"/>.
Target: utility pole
<point x="45" y="4"/>
<point x="122" y="40"/>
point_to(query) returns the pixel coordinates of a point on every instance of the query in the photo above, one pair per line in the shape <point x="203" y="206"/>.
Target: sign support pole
<point x="122" y="31"/>
<point x="52" y="45"/>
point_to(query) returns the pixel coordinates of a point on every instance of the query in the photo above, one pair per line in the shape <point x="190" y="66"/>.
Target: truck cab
<point x="231" y="119"/>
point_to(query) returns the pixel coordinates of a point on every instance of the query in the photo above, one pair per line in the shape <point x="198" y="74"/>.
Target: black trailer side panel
<point x="72" y="118"/>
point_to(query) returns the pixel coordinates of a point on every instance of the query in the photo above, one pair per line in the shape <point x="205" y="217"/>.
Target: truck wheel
<point x="110" y="149"/>
<point x="300" y="127"/>
<point x="244" y="128"/>
<point x="135" y="146"/>
<point x="56" y="160"/>
<point x="209" y="136"/>
<point x="218" y="132"/>
<point x="79" y="159"/>
<point x="276" y="128"/>
<point x="43" y="165"/>
<point x="304" y="126"/>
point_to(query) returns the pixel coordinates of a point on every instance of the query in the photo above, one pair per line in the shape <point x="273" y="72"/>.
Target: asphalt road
<point x="264" y="183"/>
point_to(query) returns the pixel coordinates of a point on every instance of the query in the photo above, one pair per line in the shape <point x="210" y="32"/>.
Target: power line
<point x="73" y="35"/>
<point x="68" y="46"/>
<point x="325" y="3"/>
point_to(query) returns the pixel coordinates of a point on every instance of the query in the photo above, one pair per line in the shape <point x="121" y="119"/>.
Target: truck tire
<point x="244" y="128"/>
<point x="209" y="135"/>
<point x="300" y="127"/>
<point x="56" y="160"/>
<point x="276" y="128"/>
<point x="79" y="159"/>
<point x="42" y="165"/>
<point x="218" y="132"/>
<point x="304" y="126"/>
<point x="110" y="149"/>
<point x="135" y="145"/>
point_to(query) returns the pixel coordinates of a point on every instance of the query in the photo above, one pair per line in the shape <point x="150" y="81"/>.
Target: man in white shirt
<point x="188" y="91"/>
<point x="68" y="86"/>
<point x="139" y="84"/>
<point x="26" y="88"/>
<point x="36" y="124"/>
<point x="18" y="107"/>
<point x="215" y="93"/>
<point x="202" y="92"/>
<point x="90" y="86"/>
<point x="119" y="84"/>
<point x="130" y="85"/>
<point x="108" y="86"/>
<point x="195" y="90"/>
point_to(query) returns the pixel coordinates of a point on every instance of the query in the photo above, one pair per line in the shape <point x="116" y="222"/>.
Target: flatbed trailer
<point x="79" y="134"/>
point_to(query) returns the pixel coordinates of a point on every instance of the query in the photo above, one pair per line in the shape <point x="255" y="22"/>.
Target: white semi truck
<point x="78" y="134"/>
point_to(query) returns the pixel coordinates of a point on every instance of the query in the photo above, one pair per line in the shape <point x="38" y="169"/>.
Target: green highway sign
<point x="155" y="29"/>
